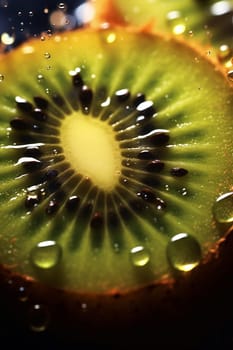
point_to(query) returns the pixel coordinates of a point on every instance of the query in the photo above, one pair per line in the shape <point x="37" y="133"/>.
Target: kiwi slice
<point x="208" y="22"/>
<point x="116" y="167"/>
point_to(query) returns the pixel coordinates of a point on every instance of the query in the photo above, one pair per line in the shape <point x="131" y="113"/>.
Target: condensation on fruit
<point x="46" y="255"/>
<point x="223" y="208"/>
<point x="183" y="252"/>
<point x="139" y="256"/>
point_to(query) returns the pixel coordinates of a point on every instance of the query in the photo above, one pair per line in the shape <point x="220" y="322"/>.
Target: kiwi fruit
<point x="115" y="182"/>
<point x="208" y="22"/>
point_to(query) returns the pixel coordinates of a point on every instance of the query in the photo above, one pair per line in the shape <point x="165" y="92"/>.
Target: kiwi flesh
<point x="207" y="22"/>
<point x="116" y="171"/>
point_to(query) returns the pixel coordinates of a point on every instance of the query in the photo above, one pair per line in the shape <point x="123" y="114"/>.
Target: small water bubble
<point x="19" y="13"/>
<point x="139" y="256"/>
<point x="46" y="10"/>
<point x="183" y="252"/>
<point x="42" y="38"/>
<point x="230" y="75"/>
<point x="30" y="13"/>
<point x="1" y="77"/>
<point x="176" y="22"/>
<point x="224" y="52"/>
<point x="223" y="208"/>
<point x="47" y="55"/>
<point x="40" y="78"/>
<point x="22" y="294"/>
<point x="62" y="6"/>
<point x="47" y="91"/>
<point x="38" y="318"/>
<point x="46" y="254"/>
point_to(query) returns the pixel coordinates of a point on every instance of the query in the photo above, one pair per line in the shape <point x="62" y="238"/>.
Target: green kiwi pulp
<point x="114" y="158"/>
<point x="210" y="22"/>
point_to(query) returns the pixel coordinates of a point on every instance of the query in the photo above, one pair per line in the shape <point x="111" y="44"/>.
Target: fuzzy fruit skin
<point x="171" y="311"/>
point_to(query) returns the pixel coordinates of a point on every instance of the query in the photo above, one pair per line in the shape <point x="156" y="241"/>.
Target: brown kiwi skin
<point x="172" y="312"/>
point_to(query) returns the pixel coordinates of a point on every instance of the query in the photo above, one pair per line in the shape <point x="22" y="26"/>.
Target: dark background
<point x="25" y="18"/>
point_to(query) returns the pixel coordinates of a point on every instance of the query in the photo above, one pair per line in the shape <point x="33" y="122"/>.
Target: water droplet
<point x="1" y="77"/>
<point x="7" y="39"/>
<point x="224" y="52"/>
<point x="230" y="75"/>
<point x="30" y="13"/>
<point x="62" y="6"/>
<point x="38" y="318"/>
<point x="223" y="208"/>
<point x="46" y="10"/>
<point x="40" y="78"/>
<point x="176" y="22"/>
<point x="111" y="37"/>
<point x="42" y="38"/>
<point x="46" y="255"/>
<point x="47" y="55"/>
<point x="19" y="13"/>
<point x="183" y="252"/>
<point x="22" y="294"/>
<point x="139" y="256"/>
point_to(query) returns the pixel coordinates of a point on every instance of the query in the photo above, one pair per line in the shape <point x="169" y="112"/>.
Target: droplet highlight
<point x="223" y="208"/>
<point x="183" y="252"/>
<point x="46" y="255"/>
<point x="38" y="318"/>
<point x="139" y="256"/>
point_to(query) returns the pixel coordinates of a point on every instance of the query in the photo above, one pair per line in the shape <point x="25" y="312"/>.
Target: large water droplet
<point x="38" y="318"/>
<point x="183" y="252"/>
<point x="139" y="256"/>
<point x="1" y="77"/>
<point x="46" y="255"/>
<point x="223" y="208"/>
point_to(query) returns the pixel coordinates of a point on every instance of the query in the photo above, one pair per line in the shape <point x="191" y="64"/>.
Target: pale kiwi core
<point x="90" y="147"/>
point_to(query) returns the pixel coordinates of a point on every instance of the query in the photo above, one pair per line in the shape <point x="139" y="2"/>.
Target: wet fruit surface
<point x="104" y="163"/>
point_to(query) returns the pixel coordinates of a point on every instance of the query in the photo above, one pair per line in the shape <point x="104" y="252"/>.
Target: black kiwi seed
<point x="155" y="166"/>
<point x="19" y="124"/>
<point x="41" y="102"/>
<point x="122" y="95"/>
<point x="72" y="203"/>
<point x="23" y="105"/>
<point x="179" y="172"/>
<point x="86" y="96"/>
